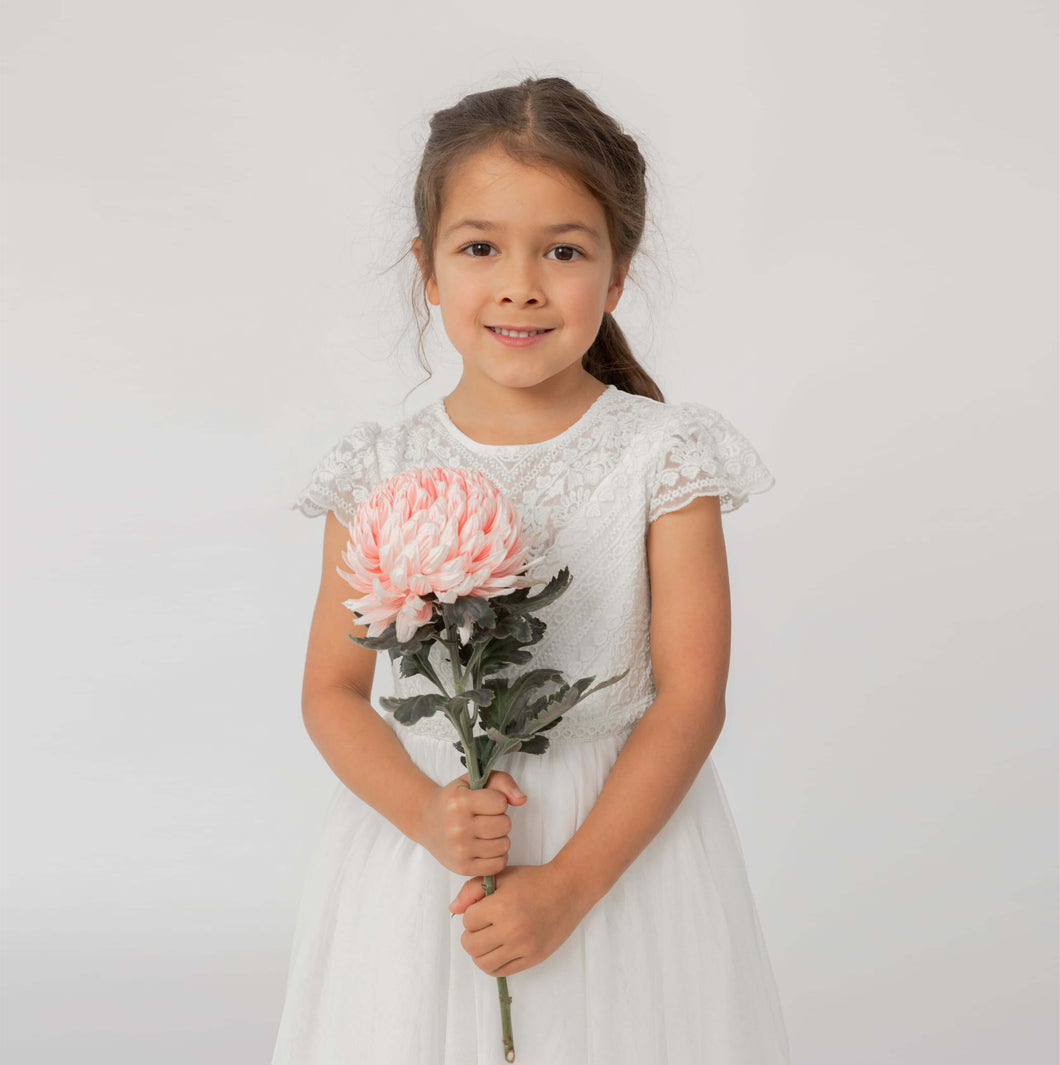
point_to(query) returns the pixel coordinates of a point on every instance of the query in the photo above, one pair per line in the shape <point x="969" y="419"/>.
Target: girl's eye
<point x="568" y="254"/>
<point x="566" y="248"/>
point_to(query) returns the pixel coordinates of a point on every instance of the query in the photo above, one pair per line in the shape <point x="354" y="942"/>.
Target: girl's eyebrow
<point x="559" y="227"/>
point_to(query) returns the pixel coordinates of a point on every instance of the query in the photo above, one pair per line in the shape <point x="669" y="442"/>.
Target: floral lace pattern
<point x="591" y="492"/>
<point x="705" y="455"/>
<point x="344" y="476"/>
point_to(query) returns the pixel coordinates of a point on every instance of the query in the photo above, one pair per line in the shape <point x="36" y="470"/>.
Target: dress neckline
<point x="582" y="422"/>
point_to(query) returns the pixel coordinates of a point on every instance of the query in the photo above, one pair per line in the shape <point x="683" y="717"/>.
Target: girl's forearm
<point x="367" y="757"/>
<point x="657" y="765"/>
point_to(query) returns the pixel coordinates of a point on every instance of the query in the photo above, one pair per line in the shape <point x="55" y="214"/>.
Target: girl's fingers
<point x="471" y="892"/>
<point x="483" y="943"/>
<point x="492" y="848"/>
<point x="492" y="826"/>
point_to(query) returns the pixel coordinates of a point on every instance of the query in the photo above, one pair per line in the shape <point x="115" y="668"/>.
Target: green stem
<point x="489" y="884"/>
<point x="477" y="779"/>
<point x="453" y="647"/>
<point x="459" y="685"/>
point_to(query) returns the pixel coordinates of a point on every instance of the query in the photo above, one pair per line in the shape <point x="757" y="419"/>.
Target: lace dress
<point x="377" y="973"/>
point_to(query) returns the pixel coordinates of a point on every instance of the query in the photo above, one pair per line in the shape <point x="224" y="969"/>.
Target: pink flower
<point x="441" y="532"/>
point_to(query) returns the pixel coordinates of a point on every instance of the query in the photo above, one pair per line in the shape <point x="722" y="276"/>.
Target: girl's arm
<point x="690" y="644"/>
<point x="354" y="740"/>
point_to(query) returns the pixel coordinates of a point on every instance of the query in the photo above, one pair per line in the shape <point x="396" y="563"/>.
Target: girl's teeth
<point x="510" y="333"/>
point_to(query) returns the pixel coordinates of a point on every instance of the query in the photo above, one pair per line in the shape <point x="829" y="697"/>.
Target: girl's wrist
<point x="571" y="881"/>
<point x="420" y="804"/>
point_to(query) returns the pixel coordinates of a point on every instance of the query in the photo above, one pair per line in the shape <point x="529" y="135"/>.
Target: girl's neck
<point x="499" y="415"/>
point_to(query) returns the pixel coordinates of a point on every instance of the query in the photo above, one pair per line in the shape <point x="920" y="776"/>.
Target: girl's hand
<point x="531" y="912"/>
<point x="466" y="828"/>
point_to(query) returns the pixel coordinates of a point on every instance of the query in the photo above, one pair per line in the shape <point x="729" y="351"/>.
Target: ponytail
<point x="610" y="360"/>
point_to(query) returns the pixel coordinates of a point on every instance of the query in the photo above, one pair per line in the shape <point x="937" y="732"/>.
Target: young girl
<point x="622" y="915"/>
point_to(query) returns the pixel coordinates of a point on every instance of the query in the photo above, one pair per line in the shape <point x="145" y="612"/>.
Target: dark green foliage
<point x="414" y="662"/>
<point x="411" y="708"/>
<point x="519" y="601"/>
<point x="482" y="746"/>
<point x="518" y="717"/>
<point x="388" y="641"/>
<point x="466" y="611"/>
<point x="512" y="713"/>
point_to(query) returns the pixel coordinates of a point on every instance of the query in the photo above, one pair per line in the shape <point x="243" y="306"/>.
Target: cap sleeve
<point x="344" y="476"/>
<point x="701" y="453"/>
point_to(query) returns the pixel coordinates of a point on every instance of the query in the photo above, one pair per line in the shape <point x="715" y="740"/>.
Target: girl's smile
<point x="514" y="337"/>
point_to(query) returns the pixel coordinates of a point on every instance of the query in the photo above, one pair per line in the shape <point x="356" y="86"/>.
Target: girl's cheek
<point x="588" y="299"/>
<point x="587" y="289"/>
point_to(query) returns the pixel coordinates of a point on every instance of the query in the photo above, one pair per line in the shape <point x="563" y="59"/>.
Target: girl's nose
<point x="521" y="284"/>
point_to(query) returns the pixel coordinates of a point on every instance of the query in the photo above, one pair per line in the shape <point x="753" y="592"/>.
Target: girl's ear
<point x="618" y="283"/>
<point x="429" y="284"/>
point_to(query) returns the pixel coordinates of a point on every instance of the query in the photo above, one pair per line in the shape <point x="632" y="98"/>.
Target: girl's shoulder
<point x="660" y="419"/>
<point x="351" y="468"/>
<point x="344" y="475"/>
<point x="693" y="449"/>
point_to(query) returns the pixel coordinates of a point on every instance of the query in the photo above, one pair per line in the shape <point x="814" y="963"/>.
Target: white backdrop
<point x="852" y="256"/>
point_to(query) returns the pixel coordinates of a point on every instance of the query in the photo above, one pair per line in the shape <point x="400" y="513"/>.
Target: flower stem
<point x="454" y="660"/>
<point x="477" y="779"/>
<point x="489" y="884"/>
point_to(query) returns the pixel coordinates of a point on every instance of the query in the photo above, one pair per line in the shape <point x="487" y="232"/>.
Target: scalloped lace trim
<point x="705" y="454"/>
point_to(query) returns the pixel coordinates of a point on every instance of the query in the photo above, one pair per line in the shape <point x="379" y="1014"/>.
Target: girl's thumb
<point x="471" y="891"/>
<point x="503" y="782"/>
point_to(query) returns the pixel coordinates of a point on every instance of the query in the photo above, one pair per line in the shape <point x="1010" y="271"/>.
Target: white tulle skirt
<point x="668" y="968"/>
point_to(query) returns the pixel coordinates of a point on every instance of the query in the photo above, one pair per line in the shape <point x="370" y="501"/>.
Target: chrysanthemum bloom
<point x="440" y="532"/>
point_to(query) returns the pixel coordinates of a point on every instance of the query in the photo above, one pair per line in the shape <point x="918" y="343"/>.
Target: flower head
<point x="428" y="536"/>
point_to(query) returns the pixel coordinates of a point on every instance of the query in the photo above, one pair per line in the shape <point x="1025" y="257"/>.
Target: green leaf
<point x="468" y="611"/>
<point x="549" y="594"/>
<point x="387" y="640"/>
<point x="416" y="663"/>
<point x="482" y="747"/>
<point x="491" y="714"/>
<point x="411" y="708"/>
<point x="523" y="690"/>
<point x="501" y="655"/>
<point x="534" y="745"/>
<point x="520" y="601"/>
<point x="480" y="697"/>
<point x="373" y="643"/>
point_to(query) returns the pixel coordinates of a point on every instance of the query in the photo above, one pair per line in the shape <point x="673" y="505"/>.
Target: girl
<point x="622" y="913"/>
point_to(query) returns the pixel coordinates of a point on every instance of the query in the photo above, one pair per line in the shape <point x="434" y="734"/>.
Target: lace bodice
<point x="592" y="490"/>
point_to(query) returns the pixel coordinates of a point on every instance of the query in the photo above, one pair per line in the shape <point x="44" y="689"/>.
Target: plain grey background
<point x="852" y="256"/>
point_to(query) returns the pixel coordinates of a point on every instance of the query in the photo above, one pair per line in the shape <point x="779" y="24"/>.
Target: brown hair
<point x="546" y="121"/>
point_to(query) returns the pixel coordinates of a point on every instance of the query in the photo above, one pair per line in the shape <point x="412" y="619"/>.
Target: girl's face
<point x="520" y="248"/>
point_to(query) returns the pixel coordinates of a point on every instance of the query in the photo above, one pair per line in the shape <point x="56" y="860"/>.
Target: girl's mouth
<point x="520" y="338"/>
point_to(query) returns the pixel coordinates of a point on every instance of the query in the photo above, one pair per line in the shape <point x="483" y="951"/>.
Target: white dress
<point x="377" y="973"/>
